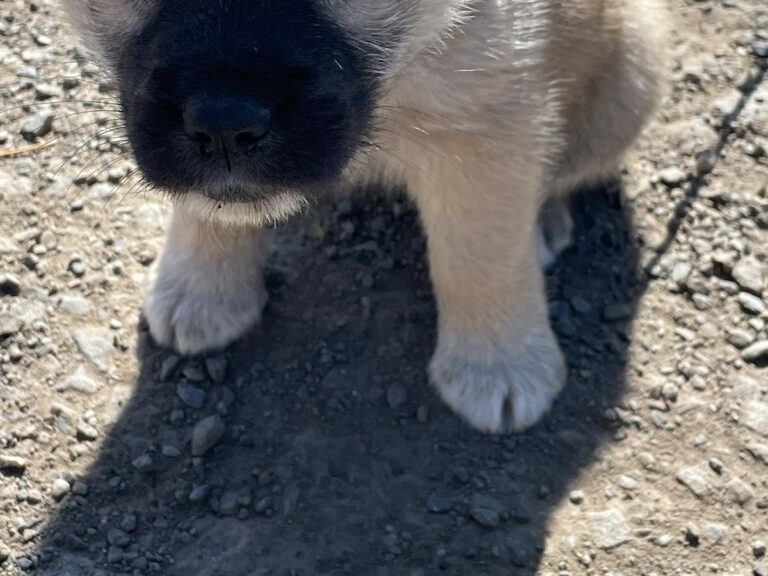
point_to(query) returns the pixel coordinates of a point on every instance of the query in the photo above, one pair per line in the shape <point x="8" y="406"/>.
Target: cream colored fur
<point x="491" y="108"/>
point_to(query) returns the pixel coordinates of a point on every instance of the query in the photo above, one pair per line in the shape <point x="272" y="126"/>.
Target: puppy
<point x="488" y="110"/>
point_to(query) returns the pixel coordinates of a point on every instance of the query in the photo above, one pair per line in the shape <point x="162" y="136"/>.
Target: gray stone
<point x="438" y="504"/>
<point x="672" y="176"/>
<point x="698" y="479"/>
<point x="216" y="368"/>
<point x="10" y="285"/>
<point x="739" y="337"/>
<point x="614" y="312"/>
<point x="396" y="395"/>
<point x="758" y="548"/>
<point x="749" y="275"/>
<point x="757" y="352"/>
<point x="143" y="463"/>
<point x="751" y="303"/>
<point x="60" y="488"/>
<point x="756" y="417"/>
<point x="206" y="434"/>
<point x="198" y="493"/>
<point x="86" y="432"/>
<point x="10" y="462"/>
<point x="486" y="511"/>
<point x="75" y="305"/>
<point x="740" y="491"/>
<point x="9" y="325"/>
<point x="38" y="125"/>
<point x="34" y="496"/>
<point x="81" y="382"/>
<point x="759" y="452"/>
<point x="190" y="395"/>
<point x="627" y="483"/>
<point x="228" y="504"/>
<point x="717" y="465"/>
<point x="609" y="529"/>
<point x="117" y="537"/>
<point x="128" y="523"/>
<point x="760" y="569"/>
<point x="95" y="344"/>
<point x="168" y="367"/>
<point x="713" y="532"/>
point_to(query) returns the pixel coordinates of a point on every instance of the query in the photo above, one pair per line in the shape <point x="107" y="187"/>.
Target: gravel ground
<point x="315" y="446"/>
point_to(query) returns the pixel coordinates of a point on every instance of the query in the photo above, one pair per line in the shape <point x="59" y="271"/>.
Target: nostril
<point x="226" y="125"/>
<point x="202" y="138"/>
<point x="245" y="139"/>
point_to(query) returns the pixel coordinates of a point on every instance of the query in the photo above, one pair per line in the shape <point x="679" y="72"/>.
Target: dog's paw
<point x="500" y="388"/>
<point x="194" y="313"/>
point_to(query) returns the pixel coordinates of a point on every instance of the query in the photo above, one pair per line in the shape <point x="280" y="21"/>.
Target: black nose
<point x="226" y="126"/>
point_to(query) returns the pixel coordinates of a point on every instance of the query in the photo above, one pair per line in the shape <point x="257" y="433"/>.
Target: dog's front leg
<point x="207" y="289"/>
<point x="497" y="362"/>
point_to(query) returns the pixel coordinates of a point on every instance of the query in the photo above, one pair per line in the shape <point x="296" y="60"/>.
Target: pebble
<point x="37" y="126"/>
<point x="665" y="540"/>
<point x="198" y="493"/>
<point x="696" y="480"/>
<point x="143" y="463"/>
<point x="228" y="504"/>
<point x="168" y="367"/>
<point x="190" y="395"/>
<point x="751" y="303"/>
<point x="438" y="504"/>
<point x="170" y="451"/>
<point x="9" y="325"/>
<point x="759" y="452"/>
<point x="740" y="491"/>
<point x="486" y="511"/>
<point x="740" y="338"/>
<point x="760" y="569"/>
<point x="10" y="285"/>
<point x="627" y="483"/>
<point x="128" y="523"/>
<point x="672" y="176"/>
<point x="81" y="382"/>
<point x="749" y="275"/>
<point x="216" y="368"/>
<point x="756" y="352"/>
<point x="609" y="529"/>
<point x="60" y="488"/>
<point x="193" y="372"/>
<point x="716" y="464"/>
<point x="96" y="345"/>
<point x="614" y="312"/>
<point x="756" y="417"/>
<point x="758" y="548"/>
<point x="75" y="305"/>
<point x="117" y="537"/>
<point x="86" y="432"/>
<point x="9" y="462"/>
<point x="34" y="496"/>
<point x="396" y="395"/>
<point x="692" y="534"/>
<point x="576" y="496"/>
<point x="206" y="434"/>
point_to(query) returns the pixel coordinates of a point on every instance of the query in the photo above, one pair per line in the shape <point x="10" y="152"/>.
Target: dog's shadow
<point x="337" y="457"/>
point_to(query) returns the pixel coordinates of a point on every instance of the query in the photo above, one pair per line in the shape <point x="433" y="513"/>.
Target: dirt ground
<point x="327" y="452"/>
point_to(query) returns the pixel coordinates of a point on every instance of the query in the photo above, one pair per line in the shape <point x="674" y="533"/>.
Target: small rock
<point x="8" y="462"/>
<point x="264" y="505"/>
<point x="75" y="305"/>
<point x="758" y="548"/>
<point x="60" y="488"/>
<point x="216" y="368"/>
<point x="37" y="126"/>
<point x="86" y="432"/>
<point x="168" y="367"/>
<point x="696" y="480"/>
<point x="692" y="534"/>
<point x="80" y="488"/>
<point x="396" y="395"/>
<point x="170" y="451"/>
<point x="614" y="312"/>
<point x="672" y="176"/>
<point x="705" y="162"/>
<point x="143" y="463"/>
<point x="96" y="344"/>
<point x="756" y="417"/>
<point x="760" y="569"/>
<point x="740" y="338"/>
<point x="627" y="483"/>
<point x="229" y="503"/>
<point x="114" y="555"/>
<point x="10" y="285"/>
<point x="190" y="395"/>
<point x="749" y="275"/>
<point x="757" y="352"/>
<point x="422" y="414"/>
<point x="713" y="532"/>
<point x="609" y="529"/>
<point x="486" y="511"/>
<point x="438" y="504"/>
<point x="740" y="491"/>
<point x="206" y="434"/>
<point x="117" y="537"/>
<point x="34" y="496"/>
<point x="665" y="540"/>
<point x="81" y="382"/>
<point x="9" y="325"/>
<point x="751" y="303"/>
<point x="759" y="452"/>
<point x="716" y="464"/>
<point x="576" y="496"/>
<point x="198" y="493"/>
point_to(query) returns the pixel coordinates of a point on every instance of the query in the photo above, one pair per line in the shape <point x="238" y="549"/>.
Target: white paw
<point x="500" y="388"/>
<point x="191" y="320"/>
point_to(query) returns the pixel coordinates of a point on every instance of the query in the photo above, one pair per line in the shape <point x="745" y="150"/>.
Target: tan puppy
<point x="487" y="109"/>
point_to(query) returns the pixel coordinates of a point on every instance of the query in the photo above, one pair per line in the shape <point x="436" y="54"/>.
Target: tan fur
<point x="491" y="108"/>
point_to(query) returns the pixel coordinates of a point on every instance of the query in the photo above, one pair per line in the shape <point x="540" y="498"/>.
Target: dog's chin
<point x="263" y="211"/>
